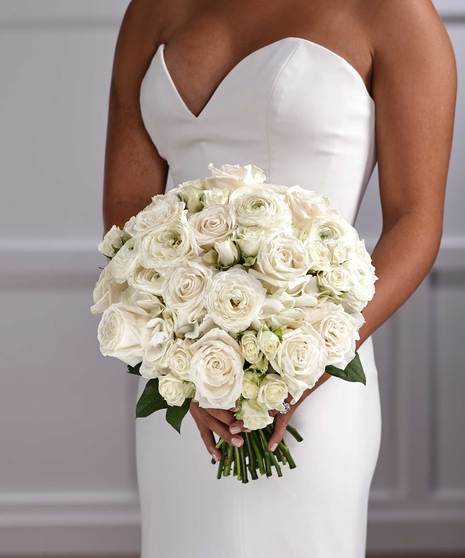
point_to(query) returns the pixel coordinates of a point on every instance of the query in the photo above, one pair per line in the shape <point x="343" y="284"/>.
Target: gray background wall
<point x="67" y="478"/>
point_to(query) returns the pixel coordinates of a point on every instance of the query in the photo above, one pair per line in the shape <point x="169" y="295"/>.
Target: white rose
<point x="168" y="245"/>
<point x="163" y="209"/>
<point x="125" y="261"/>
<point x="268" y="343"/>
<point x="185" y="290"/>
<point x="320" y="255"/>
<point x="174" y="390"/>
<point x="249" y="346"/>
<point x="362" y="287"/>
<point x="300" y="359"/>
<point x="272" y="392"/>
<point x="112" y="241"/>
<point x="213" y="224"/>
<point x="106" y="292"/>
<point x="156" y="349"/>
<point x="261" y="206"/>
<point x="306" y="205"/>
<point x="147" y="302"/>
<point x="121" y="333"/>
<point x="179" y="358"/>
<point x="146" y="280"/>
<point x="217" y="370"/>
<point x="339" y="331"/>
<point x="191" y="193"/>
<point x="234" y="299"/>
<point x="249" y="240"/>
<point x="228" y="254"/>
<point x="247" y="174"/>
<point x="335" y="282"/>
<point x="214" y="196"/>
<point x="254" y="416"/>
<point x="281" y="261"/>
<point x="250" y="385"/>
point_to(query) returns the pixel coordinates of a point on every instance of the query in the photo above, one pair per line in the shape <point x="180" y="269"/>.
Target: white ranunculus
<point x="272" y="392"/>
<point x="268" y="343"/>
<point x="174" y="390"/>
<point x="300" y="359"/>
<point x="335" y="282"/>
<point x="112" y="241"/>
<point x="106" y="292"/>
<point x="261" y="206"/>
<point x="163" y="209"/>
<point x="213" y="224"/>
<point x="253" y="415"/>
<point x="125" y="261"/>
<point x="281" y="261"/>
<point x="168" y="245"/>
<point x="217" y="370"/>
<point x="307" y="205"/>
<point x="339" y="331"/>
<point x="250" y="385"/>
<point x="122" y="333"/>
<point x="228" y="254"/>
<point x="330" y="229"/>
<point x="234" y="299"/>
<point x="146" y="280"/>
<point x="249" y="346"/>
<point x="185" y="290"/>
<point x="156" y="349"/>
<point x="179" y="358"/>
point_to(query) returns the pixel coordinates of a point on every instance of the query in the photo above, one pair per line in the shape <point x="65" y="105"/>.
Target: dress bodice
<point x="296" y="109"/>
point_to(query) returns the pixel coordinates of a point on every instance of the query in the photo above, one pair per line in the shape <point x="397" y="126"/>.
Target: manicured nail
<point x="273" y="446"/>
<point x="235" y="429"/>
<point x="237" y="442"/>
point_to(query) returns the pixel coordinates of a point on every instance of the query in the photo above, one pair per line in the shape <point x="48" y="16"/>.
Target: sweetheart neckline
<point x="229" y="75"/>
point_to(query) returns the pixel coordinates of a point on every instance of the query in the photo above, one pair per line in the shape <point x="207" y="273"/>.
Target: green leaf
<point x="175" y="415"/>
<point x="353" y="372"/>
<point x="134" y="369"/>
<point x="150" y="401"/>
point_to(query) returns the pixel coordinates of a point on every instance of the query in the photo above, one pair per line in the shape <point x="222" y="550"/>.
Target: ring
<point x="286" y="408"/>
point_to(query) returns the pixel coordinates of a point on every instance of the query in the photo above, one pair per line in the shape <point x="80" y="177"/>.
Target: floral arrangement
<point x="237" y="294"/>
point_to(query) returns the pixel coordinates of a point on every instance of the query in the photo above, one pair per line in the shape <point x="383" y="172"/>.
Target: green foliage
<point x="353" y="372"/>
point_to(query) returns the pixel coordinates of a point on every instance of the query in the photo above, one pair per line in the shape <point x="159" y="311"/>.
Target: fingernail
<point x="237" y="442"/>
<point x="235" y="429"/>
<point x="246" y="429"/>
<point x="273" y="446"/>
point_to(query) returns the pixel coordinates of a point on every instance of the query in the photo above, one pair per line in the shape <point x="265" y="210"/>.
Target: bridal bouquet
<point x="236" y="294"/>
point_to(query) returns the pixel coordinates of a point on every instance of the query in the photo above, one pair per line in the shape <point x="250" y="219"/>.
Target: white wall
<point x="67" y="478"/>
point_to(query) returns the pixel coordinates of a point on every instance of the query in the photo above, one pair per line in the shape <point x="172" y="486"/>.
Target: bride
<point x="315" y="92"/>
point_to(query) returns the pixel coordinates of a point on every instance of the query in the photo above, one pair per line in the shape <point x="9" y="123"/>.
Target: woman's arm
<point x="134" y="171"/>
<point x="414" y="87"/>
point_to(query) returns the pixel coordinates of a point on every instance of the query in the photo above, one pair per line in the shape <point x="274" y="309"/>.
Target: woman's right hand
<point x="220" y="422"/>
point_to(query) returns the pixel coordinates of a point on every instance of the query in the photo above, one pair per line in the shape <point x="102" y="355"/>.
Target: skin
<point x="404" y="55"/>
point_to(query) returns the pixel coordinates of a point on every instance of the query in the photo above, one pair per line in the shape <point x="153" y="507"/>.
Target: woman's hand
<point x="218" y="421"/>
<point x="282" y="420"/>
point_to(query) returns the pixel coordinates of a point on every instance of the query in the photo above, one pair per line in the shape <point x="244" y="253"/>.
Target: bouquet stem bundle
<point x="254" y="458"/>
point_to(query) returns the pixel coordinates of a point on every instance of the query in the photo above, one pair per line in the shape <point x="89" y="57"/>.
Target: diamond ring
<point x="286" y="408"/>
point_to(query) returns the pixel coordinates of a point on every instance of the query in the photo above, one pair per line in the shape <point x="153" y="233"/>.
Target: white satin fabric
<point x="303" y="114"/>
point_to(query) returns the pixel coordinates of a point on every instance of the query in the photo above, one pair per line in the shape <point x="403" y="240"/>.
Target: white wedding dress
<point x="303" y="114"/>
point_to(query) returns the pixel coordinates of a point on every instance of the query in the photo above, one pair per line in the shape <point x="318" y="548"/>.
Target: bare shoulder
<point x="404" y="28"/>
<point x="145" y="25"/>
